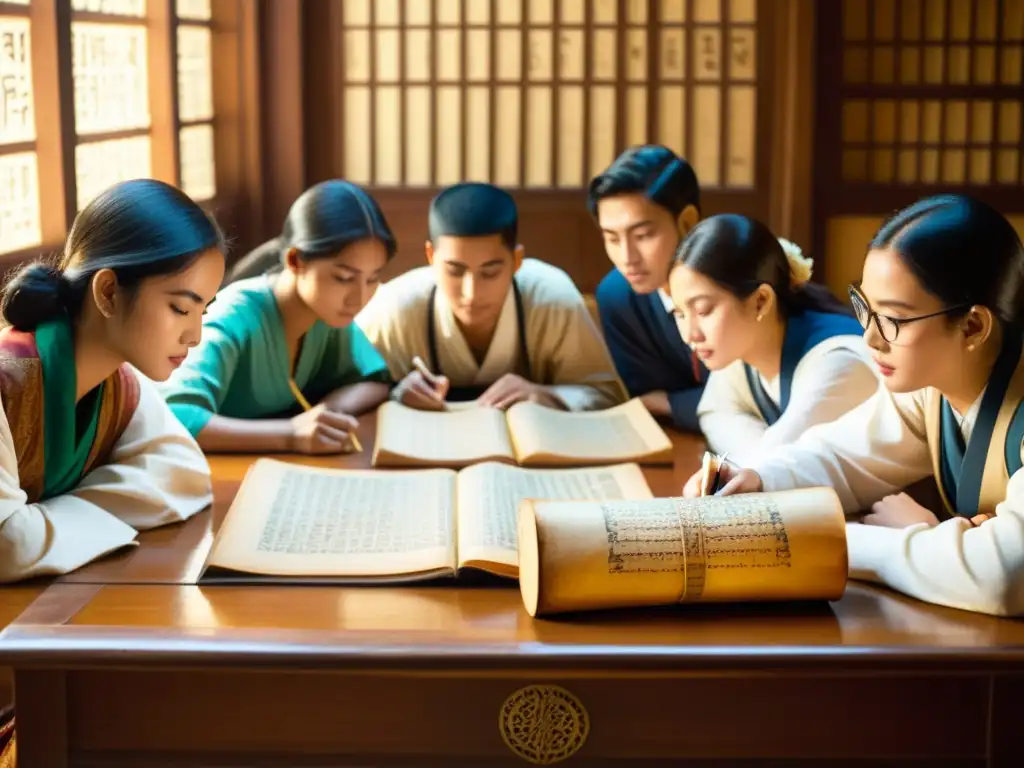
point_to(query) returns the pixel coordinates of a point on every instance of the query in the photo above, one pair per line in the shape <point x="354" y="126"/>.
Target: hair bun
<point x="34" y="295"/>
<point x="800" y="266"/>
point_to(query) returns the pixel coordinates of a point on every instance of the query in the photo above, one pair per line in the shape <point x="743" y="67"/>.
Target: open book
<point x="587" y="555"/>
<point x="527" y="434"/>
<point x="291" y="522"/>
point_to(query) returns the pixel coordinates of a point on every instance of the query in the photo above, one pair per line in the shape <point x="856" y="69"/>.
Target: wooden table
<point x="128" y="663"/>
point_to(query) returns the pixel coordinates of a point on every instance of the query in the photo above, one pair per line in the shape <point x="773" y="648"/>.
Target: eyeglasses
<point x="889" y="327"/>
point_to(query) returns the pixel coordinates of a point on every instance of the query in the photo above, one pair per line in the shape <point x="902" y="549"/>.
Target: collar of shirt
<point x="666" y="301"/>
<point x="967" y="421"/>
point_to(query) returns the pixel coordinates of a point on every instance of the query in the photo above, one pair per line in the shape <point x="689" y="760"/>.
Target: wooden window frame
<point x="235" y="32"/>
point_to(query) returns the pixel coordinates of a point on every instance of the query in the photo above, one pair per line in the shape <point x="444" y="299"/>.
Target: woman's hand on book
<point x="731" y="479"/>
<point x="322" y="430"/>
<point x="422" y="392"/>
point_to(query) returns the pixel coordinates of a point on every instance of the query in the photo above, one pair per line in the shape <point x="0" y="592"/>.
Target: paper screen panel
<point x="538" y="136"/>
<point x="110" y="77"/>
<point x="19" y="202"/>
<point x="478" y="140"/>
<point x="570" y="136"/>
<point x="196" y="10"/>
<point x="386" y="12"/>
<point x="417" y="136"/>
<point x="602" y="128"/>
<point x="17" y="115"/>
<point x="195" y="73"/>
<point x="136" y="8"/>
<point x="417" y="55"/>
<point x="387" y="139"/>
<point x="449" y="134"/>
<point x="507" y="140"/>
<point x="358" y="138"/>
<point x="101" y="164"/>
<point x="198" y="169"/>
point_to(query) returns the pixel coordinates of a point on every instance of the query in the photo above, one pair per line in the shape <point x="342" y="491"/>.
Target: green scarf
<point x="64" y="454"/>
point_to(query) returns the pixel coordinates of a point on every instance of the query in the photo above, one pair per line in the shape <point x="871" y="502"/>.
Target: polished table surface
<point x="128" y="662"/>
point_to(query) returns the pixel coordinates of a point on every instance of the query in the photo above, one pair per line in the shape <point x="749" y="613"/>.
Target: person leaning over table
<point x="282" y="367"/>
<point x="485" y="324"/>
<point x="89" y="452"/>
<point x="941" y="301"/>
<point x="784" y="353"/>
<point x="645" y="203"/>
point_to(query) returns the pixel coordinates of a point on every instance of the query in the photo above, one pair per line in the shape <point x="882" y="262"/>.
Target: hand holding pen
<point x="423" y="389"/>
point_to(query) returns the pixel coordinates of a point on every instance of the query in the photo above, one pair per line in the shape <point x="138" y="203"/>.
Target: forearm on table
<point x="226" y="435"/>
<point x="358" y="398"/>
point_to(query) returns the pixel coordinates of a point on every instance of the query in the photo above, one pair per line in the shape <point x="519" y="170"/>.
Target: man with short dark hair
<point x="645" y="203"/>
<point x="485" y="323"/>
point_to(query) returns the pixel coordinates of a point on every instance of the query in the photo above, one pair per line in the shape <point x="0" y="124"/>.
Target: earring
<point x="970" y="347"/>
<point x="759" y="318"/>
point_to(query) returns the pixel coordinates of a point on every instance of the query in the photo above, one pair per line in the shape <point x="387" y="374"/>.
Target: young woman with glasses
<point x="942" y="304"/>
<point x="784" y="353"/>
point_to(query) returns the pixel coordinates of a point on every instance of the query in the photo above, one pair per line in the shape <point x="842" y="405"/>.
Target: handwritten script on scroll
<point x="684" y="536"/>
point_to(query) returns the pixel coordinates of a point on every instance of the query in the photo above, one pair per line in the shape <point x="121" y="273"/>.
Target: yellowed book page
<point x="293" y="520"/>
<point x="626" y="432"/>
<point x="451" y="438"/>
<point x="461" y="405"/>
<point x="489" y="496"/>
<point x="789" y="545"/>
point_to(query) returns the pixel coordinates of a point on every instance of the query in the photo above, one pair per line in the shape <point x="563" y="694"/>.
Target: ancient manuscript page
<point x="293" y="520"/>
<point x="789" y="545"/>
<point x="624" y="433"/>
<point x="489" y="496"/>
<point x="452" y="438"/>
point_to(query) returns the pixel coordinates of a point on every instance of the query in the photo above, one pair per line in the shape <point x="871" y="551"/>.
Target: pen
<point x="307" y="407"/>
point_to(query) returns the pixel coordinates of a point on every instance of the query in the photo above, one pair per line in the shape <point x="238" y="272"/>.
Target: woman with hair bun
<point x="282" y="367"/>
<point x="941" y="301"/>
<point x="784" y="353"/>
<point x="89" y="452"/>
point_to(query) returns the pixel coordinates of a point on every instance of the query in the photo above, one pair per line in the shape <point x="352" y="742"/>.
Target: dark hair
<point x="740" y="254"/>
<point x="140" y="228"/>
<point x="656" y="171"/>
<point x="322" y="222"/>
<point x="474" y="209"/>
<point x="963" y="251"/>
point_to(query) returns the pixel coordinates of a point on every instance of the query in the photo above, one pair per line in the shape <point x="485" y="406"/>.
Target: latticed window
<point x="124" y="89"/>
<point x="918" y="96"/>
<point x="545" y="93"/>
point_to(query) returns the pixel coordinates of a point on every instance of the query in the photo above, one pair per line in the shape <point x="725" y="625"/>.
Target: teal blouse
<point x="241" y="368"/>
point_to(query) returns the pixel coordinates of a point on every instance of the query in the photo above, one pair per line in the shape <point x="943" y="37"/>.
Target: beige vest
<point x="995" y="475"/>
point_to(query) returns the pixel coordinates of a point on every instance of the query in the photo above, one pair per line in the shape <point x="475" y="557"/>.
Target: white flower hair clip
<point x="800" y="266"/>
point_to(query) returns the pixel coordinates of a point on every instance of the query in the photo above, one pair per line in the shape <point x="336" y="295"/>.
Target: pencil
<point x="307" y="407"/>
<point x="420" y="366"/>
